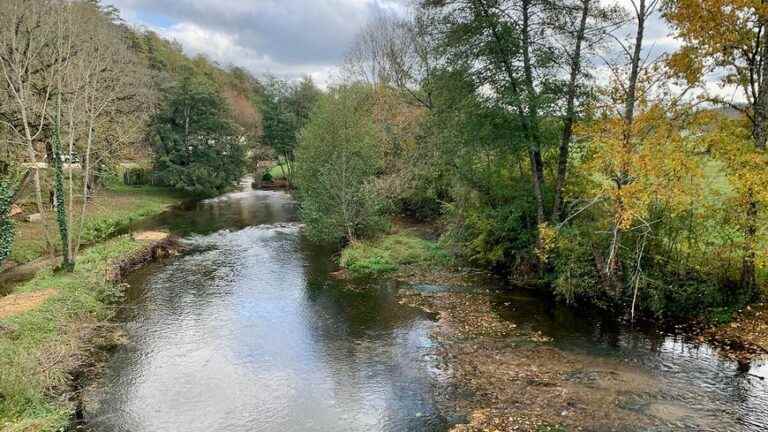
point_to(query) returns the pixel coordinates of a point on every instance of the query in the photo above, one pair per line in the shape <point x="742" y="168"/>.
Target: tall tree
<point x="583" y="24"/>
<point x="731" y="37"/>
<point x="196" y="147"/>
<point x="337" y="160"/>
<point x="507" y="47"/>
<point x="28" y="62"/>
<point x="286" y="109"/>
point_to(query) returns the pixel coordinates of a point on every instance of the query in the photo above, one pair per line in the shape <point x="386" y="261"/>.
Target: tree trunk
<point x="570" y="116"/>
<point x="760" y="135"/>
<point x="613" y="264"/>
<point x="537" y="165"/>
<point x="86" y="182"/>
<point x="748" y="273"/>
<point x="59" y="198"/>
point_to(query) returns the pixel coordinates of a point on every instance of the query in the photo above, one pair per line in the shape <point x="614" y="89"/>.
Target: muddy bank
<point x="162" y="246"/>
<point x="515" y="380"/>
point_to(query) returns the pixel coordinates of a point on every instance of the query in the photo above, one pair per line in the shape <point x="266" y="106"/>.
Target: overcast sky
<point x="287" y="38"/>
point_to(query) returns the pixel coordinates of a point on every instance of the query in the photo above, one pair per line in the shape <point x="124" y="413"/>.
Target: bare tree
<point x="28" y="63"/>
<point x="109" y="85"/>
<point x="395" y="51"/>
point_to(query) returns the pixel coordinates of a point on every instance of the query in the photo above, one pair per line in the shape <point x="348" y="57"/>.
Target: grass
<point x="112" y="211"/>
<point x="36" y="357"/>
<point x="392" y="253"/>
<point x="278" y="172"/>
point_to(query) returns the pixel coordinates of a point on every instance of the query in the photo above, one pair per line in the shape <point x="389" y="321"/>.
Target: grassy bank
<point x="401" y="253"/>
<point x="113" y="209"/>
<point x="40" y="347"/>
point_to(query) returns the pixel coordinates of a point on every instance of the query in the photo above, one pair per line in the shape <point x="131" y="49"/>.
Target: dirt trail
<point x="15" y="304"/>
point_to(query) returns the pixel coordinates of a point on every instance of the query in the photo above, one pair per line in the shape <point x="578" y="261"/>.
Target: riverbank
<point x="519" y="379"/>
<point x="51" y="339"/>
<point x="112" y="210"/>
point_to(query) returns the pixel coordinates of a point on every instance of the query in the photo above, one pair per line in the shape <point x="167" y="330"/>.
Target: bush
<point x="267" y="177"/>
<point x="336" y="163"/>
<point x="492" y="233"/>
<point x="136" y="177"/>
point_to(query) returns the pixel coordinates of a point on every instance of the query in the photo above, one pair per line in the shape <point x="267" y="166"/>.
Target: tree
<point x="583" y="24"/>
<point x="196" y="148"/>
<point x="506" y="46"/>
<point x="337" y="160"/>
<point x="286" y="108"/>
<point x="730" y="37"/>
<point x="28" y="62"/>
<point x="397" y="52"/>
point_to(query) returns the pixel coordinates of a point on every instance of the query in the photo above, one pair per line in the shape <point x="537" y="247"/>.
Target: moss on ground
<point x="392" y="253"/>
<point x="39" y="348"/>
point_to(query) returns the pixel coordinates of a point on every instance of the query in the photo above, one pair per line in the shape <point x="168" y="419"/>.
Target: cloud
<point x="286" y="37"/>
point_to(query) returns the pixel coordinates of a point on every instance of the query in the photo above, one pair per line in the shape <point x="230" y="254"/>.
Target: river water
<point x="247" y="332"/>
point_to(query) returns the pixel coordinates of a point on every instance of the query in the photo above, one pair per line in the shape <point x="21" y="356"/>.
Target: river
<point x="247" y="332"/>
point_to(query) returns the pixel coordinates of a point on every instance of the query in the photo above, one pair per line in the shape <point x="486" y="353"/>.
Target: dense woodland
<point x="551" y="144"/>
<point x="83" y="89"/>
<point x="544" y="138"/>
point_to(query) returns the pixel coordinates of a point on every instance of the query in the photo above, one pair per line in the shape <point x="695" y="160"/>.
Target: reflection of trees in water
<point x="373" y="346"/>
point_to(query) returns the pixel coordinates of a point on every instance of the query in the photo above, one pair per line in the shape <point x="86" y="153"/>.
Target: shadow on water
<point x="247" y="332"/>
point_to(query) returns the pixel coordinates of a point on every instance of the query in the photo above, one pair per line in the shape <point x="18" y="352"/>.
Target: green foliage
<point x="267" y="177"/>
<point x="39" y="335"/>
<point x="286" y="110"/>
<point x="59" y="197"/>
<point x="6" y="224"/>
<point x="391" y="253"/>
<point x="576" y="278"/>
<point x="197" y="149"/>
<point x="136" y="177"/>
<point x="337" y="160"/>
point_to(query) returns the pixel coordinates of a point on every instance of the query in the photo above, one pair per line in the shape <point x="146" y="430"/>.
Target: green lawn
<point x="113" y="209"/>
<point x="38" y="354"/>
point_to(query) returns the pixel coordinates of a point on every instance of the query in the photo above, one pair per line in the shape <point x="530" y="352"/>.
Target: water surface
<point x="247" y="332"/>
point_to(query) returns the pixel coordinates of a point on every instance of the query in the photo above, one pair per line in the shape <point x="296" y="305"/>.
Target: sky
<point x="286" y="38"/>
<point x="291" y="38"/>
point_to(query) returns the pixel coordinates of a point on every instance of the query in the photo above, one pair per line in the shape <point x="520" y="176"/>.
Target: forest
<point x="551" y="145"/>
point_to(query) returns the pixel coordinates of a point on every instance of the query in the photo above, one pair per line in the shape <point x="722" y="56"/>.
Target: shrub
<point x="336" y="163"/>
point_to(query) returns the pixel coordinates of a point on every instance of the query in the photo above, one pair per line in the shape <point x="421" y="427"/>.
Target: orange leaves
<point x="687" y="64"/>
<point x="642" y="164"/>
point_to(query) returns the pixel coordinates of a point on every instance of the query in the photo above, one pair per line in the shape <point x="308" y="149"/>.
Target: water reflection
<point x="247" y="333"/>
<point x="697" y="387"/>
